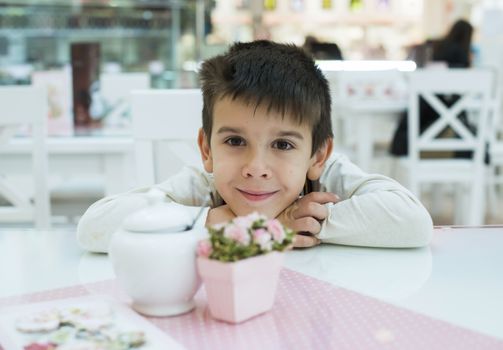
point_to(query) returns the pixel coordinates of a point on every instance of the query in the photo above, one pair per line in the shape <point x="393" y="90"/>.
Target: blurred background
<point x="168" y="38"/>
<point x="90" y="54"/>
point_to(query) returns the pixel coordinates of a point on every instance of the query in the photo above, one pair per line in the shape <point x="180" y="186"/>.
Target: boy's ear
<point x="204" y="148"/>
<point x="318" y="160"/>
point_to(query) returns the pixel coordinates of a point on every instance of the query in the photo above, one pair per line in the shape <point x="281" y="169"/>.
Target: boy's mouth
<point x="256" y="195"/>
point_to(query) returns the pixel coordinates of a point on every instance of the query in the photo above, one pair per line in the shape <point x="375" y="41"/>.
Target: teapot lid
<point x="158" y="216"/>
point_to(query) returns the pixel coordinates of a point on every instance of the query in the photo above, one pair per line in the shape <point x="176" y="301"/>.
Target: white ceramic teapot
<point x="154" y="257"/>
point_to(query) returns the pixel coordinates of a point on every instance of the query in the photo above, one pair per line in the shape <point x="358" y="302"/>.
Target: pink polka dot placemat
<point x="308" y="314"/>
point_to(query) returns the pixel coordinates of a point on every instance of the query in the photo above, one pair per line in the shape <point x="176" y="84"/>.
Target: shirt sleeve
<point x="374" y="211"/>
<point x="190" y="187"/>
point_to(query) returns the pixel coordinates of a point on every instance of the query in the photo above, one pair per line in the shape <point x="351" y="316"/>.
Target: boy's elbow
<point x="88" y="237"/>
<point x="86" y="242"/>
<point x="421" y="227"/>
<point x="103" y="218"/>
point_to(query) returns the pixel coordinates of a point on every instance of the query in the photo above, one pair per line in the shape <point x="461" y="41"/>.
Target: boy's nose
<point x="256" y="166"/>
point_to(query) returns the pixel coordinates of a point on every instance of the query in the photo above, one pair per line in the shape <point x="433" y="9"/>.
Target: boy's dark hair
<point x="281" y="76"/>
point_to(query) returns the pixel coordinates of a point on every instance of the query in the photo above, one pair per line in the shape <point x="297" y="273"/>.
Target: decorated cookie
<point x="88" y="318"/>
<point x="41" y="321"/>
<point x="95" y="336"/>
<point x="132" y="339"/>
<point x="77" y="327"/>
<point x="40" y="346"/>
<point x="84" y="345"/>
<point x="62" y="335"/>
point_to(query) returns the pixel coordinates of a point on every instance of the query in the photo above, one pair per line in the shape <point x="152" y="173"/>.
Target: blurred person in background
<point x="322" y="50"/>
<point x="454" y="48"/>
<point x="453" y="51"/>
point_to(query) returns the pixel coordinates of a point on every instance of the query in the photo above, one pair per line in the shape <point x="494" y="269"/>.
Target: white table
<point x="108" y="156"/>
<point x="458" y="278"/>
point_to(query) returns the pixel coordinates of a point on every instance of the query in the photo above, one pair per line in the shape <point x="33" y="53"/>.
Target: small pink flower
<point x="276" y="229"/>
<point x="204" y="248"/>
<point x="256" y="216"/>
<point x="262" y="238"/>
<point x="243" y="221"/>
<point x="248" y="220"/>
<point x="219" y="226"/>
<point x="237" y="233"/>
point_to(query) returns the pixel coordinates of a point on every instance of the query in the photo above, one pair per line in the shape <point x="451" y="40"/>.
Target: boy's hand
<point x="305" y="215"/>
<point x="219" y="215"/>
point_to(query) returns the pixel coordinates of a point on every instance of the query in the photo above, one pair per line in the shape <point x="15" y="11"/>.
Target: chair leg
<point x="498" y="183"/>
<point x="492" y="190"/>
<point x="42" y="211"/>
<point x="437" y="199"/>
<point x="460" y="206"/>
<point x="476" y="214"/>
<point x="412" y="182"/>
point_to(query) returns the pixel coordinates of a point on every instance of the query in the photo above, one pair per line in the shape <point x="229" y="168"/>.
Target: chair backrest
<point x="364" y="92"/>
<point x="23" y="106"/>
<point x="469" y="91"/>
<point x="118" y="86"/>
<point x="363" y="86"/>
<point x="115" y="94"/>
<point x="173" y="116"/>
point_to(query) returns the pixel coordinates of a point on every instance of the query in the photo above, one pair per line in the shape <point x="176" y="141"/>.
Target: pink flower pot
<point x="237" y="291"/>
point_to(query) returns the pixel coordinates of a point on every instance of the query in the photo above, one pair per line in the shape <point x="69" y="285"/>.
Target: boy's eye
<point x="235" y="141"/>
<point x="283" y="145"/>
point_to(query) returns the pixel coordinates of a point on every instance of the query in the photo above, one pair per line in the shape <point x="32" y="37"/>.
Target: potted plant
<point x="240" y="263"/>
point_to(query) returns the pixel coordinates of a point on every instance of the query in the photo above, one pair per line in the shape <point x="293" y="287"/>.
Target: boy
<point x="266" y="134"/>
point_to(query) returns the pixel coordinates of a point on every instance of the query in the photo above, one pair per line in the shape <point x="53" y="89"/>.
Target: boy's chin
<point x="271" y="213"/>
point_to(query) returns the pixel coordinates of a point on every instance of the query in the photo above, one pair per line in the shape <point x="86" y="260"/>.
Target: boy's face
<point x="259" y="159"/>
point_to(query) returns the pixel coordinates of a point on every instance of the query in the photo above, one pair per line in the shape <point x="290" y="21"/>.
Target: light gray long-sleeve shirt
<point x="374" y="210"/>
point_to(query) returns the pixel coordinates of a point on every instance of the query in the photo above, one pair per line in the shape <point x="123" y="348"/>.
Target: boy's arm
<point x="103" y="218"/>
<point x="374" y="211"/>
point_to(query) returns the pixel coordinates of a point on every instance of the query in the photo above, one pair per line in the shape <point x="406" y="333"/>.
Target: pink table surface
<point x="308" y="314"/>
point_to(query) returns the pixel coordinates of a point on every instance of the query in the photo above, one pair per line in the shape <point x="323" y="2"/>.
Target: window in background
<point x="133" y="36"/>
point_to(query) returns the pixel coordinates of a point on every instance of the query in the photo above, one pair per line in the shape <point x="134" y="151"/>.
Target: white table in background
<point x="458" y="278"/>
<point x="365" y="114"/>
<point x="108" y="156"/>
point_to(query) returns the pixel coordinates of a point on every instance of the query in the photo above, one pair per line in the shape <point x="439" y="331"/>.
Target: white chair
<point x="173" y="116"/>
<point x="360" y="99"/>
<point x="116" y="88"/>
<point x="26" y="106"/>
<point x="495" y="168"/>
<point x="474" y="89"/>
